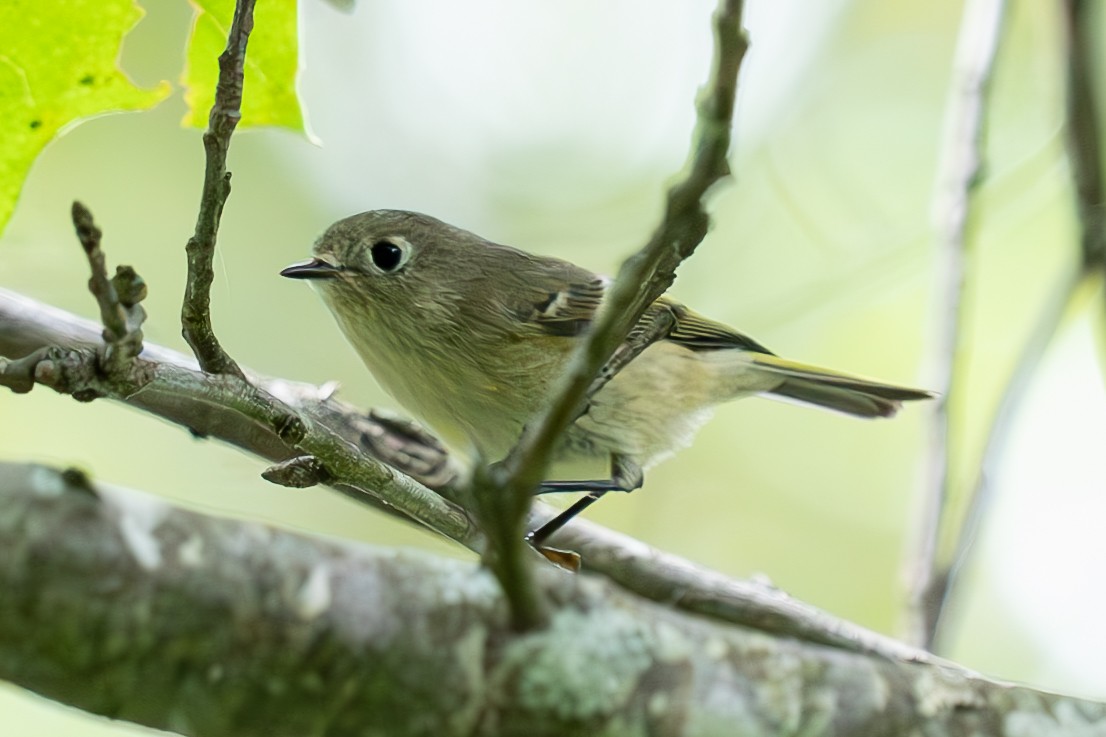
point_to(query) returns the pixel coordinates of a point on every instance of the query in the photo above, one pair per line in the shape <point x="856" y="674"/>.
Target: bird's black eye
<point x="387" y="256"/>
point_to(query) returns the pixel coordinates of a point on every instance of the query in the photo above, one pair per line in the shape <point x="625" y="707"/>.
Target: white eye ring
<point x="390" y="254"/>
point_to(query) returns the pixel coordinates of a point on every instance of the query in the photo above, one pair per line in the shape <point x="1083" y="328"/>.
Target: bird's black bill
<point x="314" y="268"/>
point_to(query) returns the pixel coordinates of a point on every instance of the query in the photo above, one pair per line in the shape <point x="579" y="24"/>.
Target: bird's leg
<point x="626" y="475"/>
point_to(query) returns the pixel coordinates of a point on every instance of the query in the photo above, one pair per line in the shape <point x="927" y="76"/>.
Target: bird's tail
<point x="841" y="392"/>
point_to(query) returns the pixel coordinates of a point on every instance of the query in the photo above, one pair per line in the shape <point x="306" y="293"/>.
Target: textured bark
<point x="124" y="606"/>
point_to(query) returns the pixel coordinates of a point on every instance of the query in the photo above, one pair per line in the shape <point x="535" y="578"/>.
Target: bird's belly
<point x="655" y="405"/>
<point x="470" y="412"/>
<point x="478" y="411"/>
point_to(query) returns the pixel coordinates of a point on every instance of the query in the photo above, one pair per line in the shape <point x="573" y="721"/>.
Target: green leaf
<point x="58" y="65"/>
<point x="269" y="90"/>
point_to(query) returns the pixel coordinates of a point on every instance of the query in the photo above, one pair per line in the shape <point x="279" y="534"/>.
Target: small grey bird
<point x="471" y="337"/>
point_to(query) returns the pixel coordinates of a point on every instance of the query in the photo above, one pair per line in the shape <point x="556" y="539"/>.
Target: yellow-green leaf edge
<point x="58" y="65"/>
<point x="272" y="63"/>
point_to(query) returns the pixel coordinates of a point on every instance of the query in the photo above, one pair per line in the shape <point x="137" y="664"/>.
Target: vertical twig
<point x="225" y="114"/>
<point x="507" y="491"/>
<point x="1085" y="157"/>
<point x="111" y="312"/>
<point x="118" y="298"/>
<point x="958" y="177"/>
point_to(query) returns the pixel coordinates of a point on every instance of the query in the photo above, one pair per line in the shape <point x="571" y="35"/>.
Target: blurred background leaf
<point x="58" y="65"/>
<point x="272" y="63"/>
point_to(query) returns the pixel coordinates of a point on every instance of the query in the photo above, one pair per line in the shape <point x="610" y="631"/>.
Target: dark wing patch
<point x="569" y="311"/>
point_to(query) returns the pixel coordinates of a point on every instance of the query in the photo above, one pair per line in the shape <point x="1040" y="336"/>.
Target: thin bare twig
<point x="1083" y="129"/>
<point x="628" y="350"/>
<point x="505" y="494"/>
<point x="648" y="274"/>
<point x="225" y="114"/>
<point x="958" y="178"/>
<point x="118" y="297"/>
<point x="111" y="312"/>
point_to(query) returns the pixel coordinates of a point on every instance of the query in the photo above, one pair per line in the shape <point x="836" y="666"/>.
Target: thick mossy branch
<point x="225" y="114"/>
<point x="217" y="627"/>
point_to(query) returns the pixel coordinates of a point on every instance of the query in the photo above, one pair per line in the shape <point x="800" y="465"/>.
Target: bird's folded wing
<point x="701" y="334"/>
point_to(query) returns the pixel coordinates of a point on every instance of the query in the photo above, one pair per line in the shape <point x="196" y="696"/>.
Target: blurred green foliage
<point x="272" y="62"/>
<point x="58" y="65"/>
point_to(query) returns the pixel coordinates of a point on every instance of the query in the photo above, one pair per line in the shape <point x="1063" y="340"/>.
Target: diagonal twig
<point x="225" y="114"/>
<point x="252" y="420"/>
<point x="1083" y="129"/>
<point x="636" y="342"/>
<point x="506" y="492"/>
<point x="646" y="275"/>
